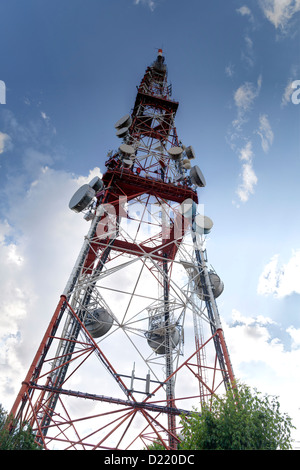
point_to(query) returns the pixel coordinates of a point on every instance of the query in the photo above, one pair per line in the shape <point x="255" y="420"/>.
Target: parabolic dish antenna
<point x="122" y="132"/>
<point x="190" y="153"/>
<point x="175" y="152"/>
<point x="125" y="121"/>
<point x="197" y="176"/>
<point x="126" y="149"/>
<point x="82" y="198"/>
<point x="216" y="284"/>
<point x="96" y="183"/>
<point x="186" y="164"/>
<point x="203" y="224"/>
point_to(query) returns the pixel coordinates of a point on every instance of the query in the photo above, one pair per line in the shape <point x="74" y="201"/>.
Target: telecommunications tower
<point x="136" y="338"/>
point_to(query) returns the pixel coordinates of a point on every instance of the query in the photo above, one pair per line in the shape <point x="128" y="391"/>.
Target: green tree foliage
<point x="12" y="437"/>
<point x="242" y="420"/>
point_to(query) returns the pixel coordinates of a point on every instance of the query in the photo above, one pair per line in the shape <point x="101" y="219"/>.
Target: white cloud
<point x="265" y="132"/>
<point x="248" y="52"/>
<point x="248" y="55"/>
<point x="287" y="94"/>
<point x="237" y="317"/>
<point x="39" y="245"/>
<point x="295" y="335"/>
<point x="283" y="280"/>
<point x="44" y="116"/>
<point x="15" y="298"/>
<point x="34" y="134"/>
<point x="290" y="87"/>
<point x="249" y="178"/>
<point x="261" y="360"/>
<point x="246" y="152"/>
<point x="280" y="12"/>
<point x="244" y="98"/>
<point x="36" y="228"/>
<point x="244" y="10"/>
<point x="269" y="279"/>
<point x="4" y="140"/>
<point x="245" y="95"/>
<point x="229" y="70"/>
<point x="149" y="3"/>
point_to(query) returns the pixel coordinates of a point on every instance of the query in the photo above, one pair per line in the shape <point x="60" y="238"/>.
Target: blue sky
<point x="70" y="69"/>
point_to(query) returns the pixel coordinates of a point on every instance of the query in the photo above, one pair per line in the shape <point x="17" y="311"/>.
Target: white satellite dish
<point x="190" y="153"/>
<point x="203" y="224"/>
<point x="126" y="149"/>
<point x="125" y="121"/>
<point x="157" y="338"/>
<point x="98" y="322"/>
<point x="96" y="183"/>
<point x="175" y="152"/>
<point x="197" y="177"/>
<point x="122" y="132"/>
<point x="216" y="284"/>
<point x="188" y="208"/>
<point x="186" y="164"/>
<point x="127" y="163"/>
<point x="82" y="198"/>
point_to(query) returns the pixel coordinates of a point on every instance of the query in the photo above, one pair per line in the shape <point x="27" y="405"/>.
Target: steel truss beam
<point x="32" y="409"/>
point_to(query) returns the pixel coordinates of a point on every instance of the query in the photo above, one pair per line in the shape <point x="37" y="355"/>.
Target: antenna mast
<point x="140" y="292"/>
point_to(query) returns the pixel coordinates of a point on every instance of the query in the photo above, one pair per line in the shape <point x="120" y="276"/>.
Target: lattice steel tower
<point x="136" y="338"/>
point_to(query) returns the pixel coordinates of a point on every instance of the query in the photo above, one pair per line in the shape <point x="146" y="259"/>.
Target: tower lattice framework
<point x="136" y="338"/>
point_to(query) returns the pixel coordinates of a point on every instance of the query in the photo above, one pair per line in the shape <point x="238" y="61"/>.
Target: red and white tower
<point x="136" y="338"/>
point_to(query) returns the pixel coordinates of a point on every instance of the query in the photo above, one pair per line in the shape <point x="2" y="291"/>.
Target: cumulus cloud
<point x="41" y="232"/>
<point x="295" y="335"/>
<point x="280" y="12"/>
<point x="280" y="280"/>
<point x="262" y="359"/>
<point x="37" y="231"/>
